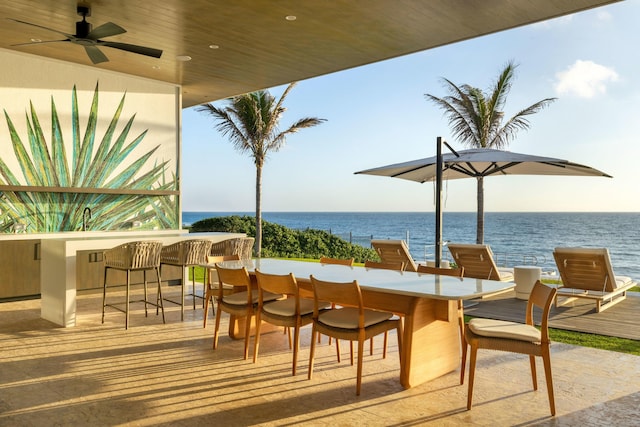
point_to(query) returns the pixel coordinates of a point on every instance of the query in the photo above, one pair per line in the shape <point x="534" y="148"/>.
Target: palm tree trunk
<point x="258" y="247"/>
<point x="480" y="219"/>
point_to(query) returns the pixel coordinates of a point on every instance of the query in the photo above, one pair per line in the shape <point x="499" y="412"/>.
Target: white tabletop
<point x="403" y="283"/>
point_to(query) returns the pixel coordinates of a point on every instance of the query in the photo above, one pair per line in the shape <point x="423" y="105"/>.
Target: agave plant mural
<point x="93" y="178"/>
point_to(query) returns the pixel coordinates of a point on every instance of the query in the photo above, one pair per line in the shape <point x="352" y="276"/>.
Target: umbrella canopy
<point x="482" y="162"/>
<point x="475" y="163"/>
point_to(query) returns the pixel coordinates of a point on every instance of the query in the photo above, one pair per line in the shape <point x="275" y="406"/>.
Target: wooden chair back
<point x="541" y="296"/>
<point x="277" y="284"/>
<point x="347" y="294"/>
<point x="394" y="251"/>
<point x="454" y="272"/>
<point x="477" y="260"/>
<point x="585" y="268"/>
<point x="338" y="261"/>
<point x="237" y="277"/>
<point x="398" y="266"/>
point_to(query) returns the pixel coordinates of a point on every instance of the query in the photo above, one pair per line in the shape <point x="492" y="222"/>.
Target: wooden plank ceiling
<point x="257" y="46"/>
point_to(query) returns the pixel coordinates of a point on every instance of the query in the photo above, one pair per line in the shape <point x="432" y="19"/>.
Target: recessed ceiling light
<point x="214" y="46"/>
<point x="36" y="40"/>
<point x="156" y="67"/>
<point x="290" y="17"/>
<point x="183" y="58"/>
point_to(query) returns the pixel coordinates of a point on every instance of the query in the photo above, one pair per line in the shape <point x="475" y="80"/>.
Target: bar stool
<point x="133" y="256"/>
<point x="186" y="254"/>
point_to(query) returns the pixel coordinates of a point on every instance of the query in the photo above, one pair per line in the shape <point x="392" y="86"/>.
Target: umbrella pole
<point x="438" y="201"/>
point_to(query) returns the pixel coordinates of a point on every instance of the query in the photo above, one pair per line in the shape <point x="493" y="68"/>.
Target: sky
<point x="378" y="115"/>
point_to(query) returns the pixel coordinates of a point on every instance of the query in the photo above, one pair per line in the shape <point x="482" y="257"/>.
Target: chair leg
<point x="371" y="346"/>
<point x="215" y="332"/>
<point x="384" y="344"/>
<point x="359" y="378"/>
<point x="350" y="351"/>
<point x="256" y="341"/>
<point x="337" y="348"/>
<point x="463" y="342"/>
<point x="247" y="334"/>
<point x="399" y="331"/>
<point x="472" y="371"/>
<point x="546" y="358"/>
<point x="287" y="330"/>
<point x="296" y="348"/>
<point x="534" y="375"/>
<point x="312" y="351"/>
<point x="209" y="297"/>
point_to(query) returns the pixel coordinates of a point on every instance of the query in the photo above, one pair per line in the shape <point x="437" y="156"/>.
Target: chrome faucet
<point x="86" y="216"/>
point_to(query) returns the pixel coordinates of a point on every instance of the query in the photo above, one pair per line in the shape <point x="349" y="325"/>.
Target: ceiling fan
<point x="89" y="38"/>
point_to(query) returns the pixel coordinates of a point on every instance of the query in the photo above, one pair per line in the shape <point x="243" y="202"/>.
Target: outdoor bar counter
<point x="57" y="256"/>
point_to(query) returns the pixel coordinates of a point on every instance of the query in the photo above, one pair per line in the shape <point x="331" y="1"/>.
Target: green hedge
<point x="282" y="242"/>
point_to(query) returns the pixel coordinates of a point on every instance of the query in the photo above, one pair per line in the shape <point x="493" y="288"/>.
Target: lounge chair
<point x="587" y="273"/>
<point x="394" y="251"/>
<point x="477" y="261"/>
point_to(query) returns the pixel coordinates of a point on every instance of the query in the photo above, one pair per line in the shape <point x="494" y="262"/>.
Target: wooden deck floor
<point x="618" y="321"/>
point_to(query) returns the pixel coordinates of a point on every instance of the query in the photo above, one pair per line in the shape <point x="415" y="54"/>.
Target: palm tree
<point x="476" y="120"/>
<point x="251" y="123"/>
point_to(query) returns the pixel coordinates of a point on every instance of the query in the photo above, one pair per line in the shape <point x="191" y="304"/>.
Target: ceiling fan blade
<point x="95" y="54"/>
<point x="41" y="42"/>
<point x="142" y="50"/>
<point x="106" y="30"/>
<point x="40" y="26"/>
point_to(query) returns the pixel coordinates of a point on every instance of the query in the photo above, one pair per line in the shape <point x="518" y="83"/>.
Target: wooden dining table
<point x="428" y="303"/>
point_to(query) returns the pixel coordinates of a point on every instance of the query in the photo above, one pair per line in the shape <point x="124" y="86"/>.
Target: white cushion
<point x="623" y="281"/>
<point x="347" y="318"/>
<point x="502" y="329"/>
<point x="287" y="307"/>
<point x="240" y="298"/>
<point x="506" y="275"/>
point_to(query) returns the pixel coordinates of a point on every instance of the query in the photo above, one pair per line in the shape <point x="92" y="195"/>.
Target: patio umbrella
<point x="474" y="163"/>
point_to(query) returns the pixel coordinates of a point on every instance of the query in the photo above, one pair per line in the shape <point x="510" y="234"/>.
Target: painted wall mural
<point x="84" y="176"/>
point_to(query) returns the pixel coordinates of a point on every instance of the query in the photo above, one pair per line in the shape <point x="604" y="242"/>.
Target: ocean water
<point x="515" y="238"/>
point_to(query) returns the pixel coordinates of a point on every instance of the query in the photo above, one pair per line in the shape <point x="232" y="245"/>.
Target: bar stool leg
<point x="104" y="292"/>
<point x="144" y="276"/>
<point x="193" y="285"/>
<point x="182" y="285"/>
<point x="160" y="296"/>
<point x="126" y="321"/>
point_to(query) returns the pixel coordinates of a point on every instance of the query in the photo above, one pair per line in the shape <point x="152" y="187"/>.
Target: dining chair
<point x="129" y="257"/>
<point x="241" y="302"/>
<point x="350" y="322"/>
<point x="453" y="272"/>
<point x="516" y="338"/>
<point x="186" y="254"/>
<point x="291" y="311"/>
<point x="213" y="283"/>
<point x="337" y="261"/>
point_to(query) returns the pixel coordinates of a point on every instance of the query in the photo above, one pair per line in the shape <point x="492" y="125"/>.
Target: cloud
<point x="585" y="79"/>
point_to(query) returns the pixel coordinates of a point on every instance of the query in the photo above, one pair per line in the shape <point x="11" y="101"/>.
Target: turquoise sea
<point x="515" y="238"/>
